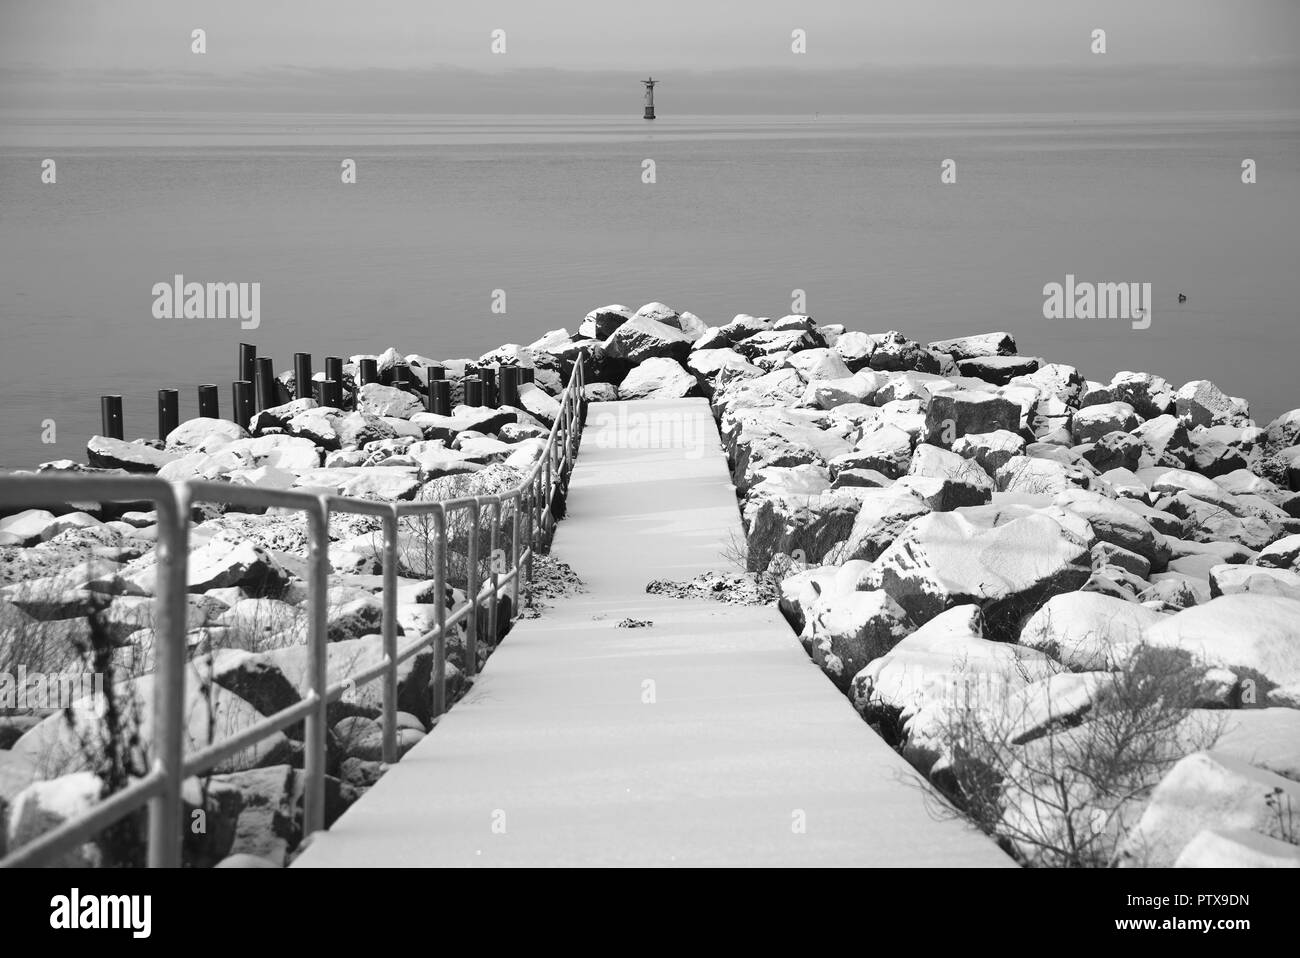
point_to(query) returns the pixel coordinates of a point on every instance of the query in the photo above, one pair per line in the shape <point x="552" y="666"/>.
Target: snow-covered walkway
<point x="706" y="739"/>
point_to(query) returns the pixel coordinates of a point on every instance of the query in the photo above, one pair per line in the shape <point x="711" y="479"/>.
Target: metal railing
<point x="533" y="516"/>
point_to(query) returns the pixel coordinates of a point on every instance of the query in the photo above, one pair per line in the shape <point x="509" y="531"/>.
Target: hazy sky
<point x="431" y="54"/>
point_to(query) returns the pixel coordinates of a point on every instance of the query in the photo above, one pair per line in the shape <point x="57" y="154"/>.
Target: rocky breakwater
<point x="77" y="584"/>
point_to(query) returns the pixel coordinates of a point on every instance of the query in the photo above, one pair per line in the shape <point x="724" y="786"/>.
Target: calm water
<point x="553" y="211"/>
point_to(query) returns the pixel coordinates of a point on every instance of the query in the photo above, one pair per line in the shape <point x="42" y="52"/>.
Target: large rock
<point x="882" y="515"/>
<point x="601" y="323"/>
<point x="770" y="437"/>
<point x="204" y="433"/>
<point x="887" y="450"/>
<point x="999" y="370"/>
<point x="1092" y="422"/>
<point x="1202" y="403"/>
<point x="1117" y="524"/>
<point x="846" y="632"/>
<point x="539" y="403"/>
<point x="43" y="806"/>
<point x="218" y="564"/>
<point x="991" y="450"/>
<point x="642" y="338"/>
<point x="1150" y="396"/>
<point x="894" y="352"/>
<point x="658" y="378"/>
<point x="1165" y="442"/>
<point x="1237" y="848"/>
<point x="976" y="346"/>
<point x="924" y="667"/>
<point x="954" y="413"/>
<point x="808" y="525"/>
<point x="1256" y="636"/>
<point x="106" y="453"/>
<point x="943" y="559"/>
<point x="71" y="741"/>
<point x="1230" y="579"/>
<point x="374" y="399"/>
<point x="1205" y="790"/>
<point x="1088" y="630"/>
<point x="972" y="485"/>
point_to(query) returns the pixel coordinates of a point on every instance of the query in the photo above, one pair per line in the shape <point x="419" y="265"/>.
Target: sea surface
<point x="553" y="210"/>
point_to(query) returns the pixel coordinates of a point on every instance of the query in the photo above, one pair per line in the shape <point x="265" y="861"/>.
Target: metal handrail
<point x="160" y="788"/>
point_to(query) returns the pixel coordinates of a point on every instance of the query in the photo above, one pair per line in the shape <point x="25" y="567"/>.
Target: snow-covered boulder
<point x="848" y="631"/>
<point x="658" y="378"/>
<point x="1088" y="630"/>
<point x="943" y="559"/>
<point x="1205" y="790"/>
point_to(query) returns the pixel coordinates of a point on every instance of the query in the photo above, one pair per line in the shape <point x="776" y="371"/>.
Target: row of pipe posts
<point x="258" y="388"/>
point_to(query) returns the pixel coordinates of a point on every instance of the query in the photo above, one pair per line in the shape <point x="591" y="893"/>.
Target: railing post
<point x="317" y="667"/>
<point x="530" y="538"/>
<point x="367" y="372"/>
<point x="172" y="606"/>
<point x="517" y="591"/>
<point x="390" y="637"/>
<point x="548" y="492"/>
<point x="492" y="572"/>
<point x="472" y="587"/>
<point x="440" y="613"/>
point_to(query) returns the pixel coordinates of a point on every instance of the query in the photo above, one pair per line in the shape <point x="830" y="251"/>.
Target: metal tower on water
<point x="650" y="97"/>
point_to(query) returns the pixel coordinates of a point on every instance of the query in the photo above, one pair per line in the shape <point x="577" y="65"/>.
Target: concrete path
<point x="707" y="739"/>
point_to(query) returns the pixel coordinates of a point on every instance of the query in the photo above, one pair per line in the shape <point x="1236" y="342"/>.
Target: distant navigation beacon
<point x="650" y="97"/>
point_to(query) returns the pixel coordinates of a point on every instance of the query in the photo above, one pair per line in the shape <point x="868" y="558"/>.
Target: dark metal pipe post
<point x="440" y="397"/>
<point x="209" y="402"/>
<point x="241" y="394"/>
<point x="247" y="361"/>
<point x="510" y="385"/>
<point x="169" y="414"/>
<point x="265" y="379"/>
<point x="302" y="375"/>
<point x="110" y="415"/>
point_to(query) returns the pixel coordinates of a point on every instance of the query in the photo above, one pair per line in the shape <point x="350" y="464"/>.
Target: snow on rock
<point x="847" y="631"/>
<point x="57" y="746"/>
<point x="1088" y="630"/>
<point x="1229" y="579"/>
<point x="658" y="378"/>
<point x="642" y="338"/>
<point x="882" y="515"/>
<point x="943" y="559"/>
<point x="106" y="453"/>
<point x="1251" y="634"/>
<point x="973" y="347"/>
<point x="928" y="664"/>
<point x="1237" y="848"/>
<point x="1201" y="403"/>
<point x="954" y="413"/>
<point x="1205" y="790"/>
<point x="602" y="322"/>
<point x="204" y="434"/>
<point x="44" y="806"/>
